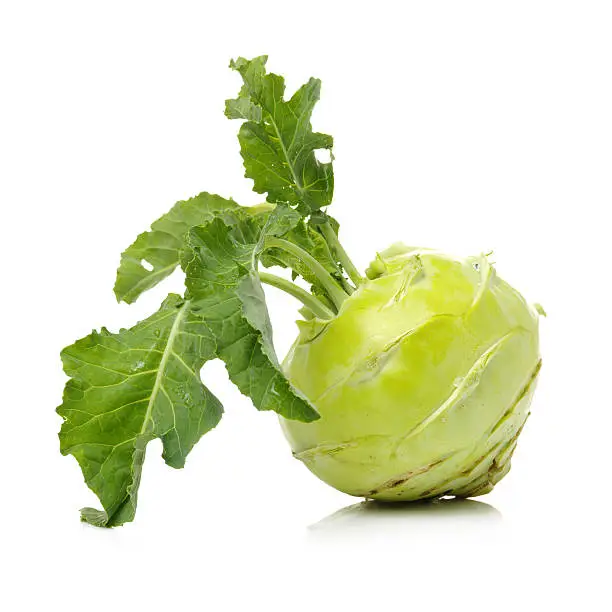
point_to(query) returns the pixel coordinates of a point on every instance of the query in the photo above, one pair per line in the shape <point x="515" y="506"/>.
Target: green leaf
<point x="128" y="388"/>
<point x="159" y="247"/>
<point x="277" y="142"/>
<point x="220" y="264"/>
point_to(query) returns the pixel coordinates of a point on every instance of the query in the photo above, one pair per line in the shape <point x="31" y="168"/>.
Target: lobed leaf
<point x="128" y="388"/>
<point x="277" y="143"/>
<point x="158" y="249"/>
<point x="220" y="264"/>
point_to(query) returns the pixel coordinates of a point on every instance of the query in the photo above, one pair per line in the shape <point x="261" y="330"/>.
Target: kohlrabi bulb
<point x="423" y="380"/>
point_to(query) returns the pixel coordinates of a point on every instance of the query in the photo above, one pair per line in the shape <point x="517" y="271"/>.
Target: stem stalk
<point x="334" y="291"/>
<point x="310" y="301"/>
<point x="342" y="256"/>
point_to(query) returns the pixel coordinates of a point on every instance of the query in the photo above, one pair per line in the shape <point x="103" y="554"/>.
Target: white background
<point x="466" y="126"/>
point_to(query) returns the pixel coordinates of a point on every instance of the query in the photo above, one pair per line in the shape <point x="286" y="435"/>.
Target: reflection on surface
<point x="371" y="513"/>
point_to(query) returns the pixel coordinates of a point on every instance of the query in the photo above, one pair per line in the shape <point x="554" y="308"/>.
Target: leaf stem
<point x="334" y="291"/>
<point x="309" y="300"/>
<point x="342" y="256"/>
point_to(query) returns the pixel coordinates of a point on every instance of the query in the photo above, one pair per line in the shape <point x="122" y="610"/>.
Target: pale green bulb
<point x="423" y="380"/>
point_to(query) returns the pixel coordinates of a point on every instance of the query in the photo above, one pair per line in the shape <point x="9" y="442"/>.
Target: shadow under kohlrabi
<point x="373" y="515"/>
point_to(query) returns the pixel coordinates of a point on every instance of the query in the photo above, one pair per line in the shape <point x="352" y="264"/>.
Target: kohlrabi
<point x="411" y="381"/>
<point x="422" y="380"/>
